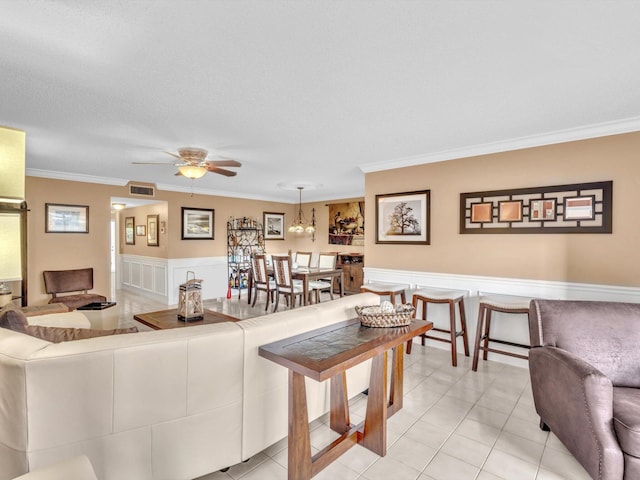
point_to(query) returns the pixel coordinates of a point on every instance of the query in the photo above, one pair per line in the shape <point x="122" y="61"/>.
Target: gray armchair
<point x="585" y="375"/>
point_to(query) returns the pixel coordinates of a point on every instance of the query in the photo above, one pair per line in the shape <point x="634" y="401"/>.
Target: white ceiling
<point x="308" y="92"/>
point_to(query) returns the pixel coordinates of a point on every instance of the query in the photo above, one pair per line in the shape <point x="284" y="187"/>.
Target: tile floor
<point x="455" y="425"/>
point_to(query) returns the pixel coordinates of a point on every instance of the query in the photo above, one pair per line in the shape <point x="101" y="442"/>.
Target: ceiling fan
<point x="193" y="164"/>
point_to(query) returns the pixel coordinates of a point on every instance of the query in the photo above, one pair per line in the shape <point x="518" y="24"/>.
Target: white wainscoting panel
<point x="211" y="270"/>
<point x="510" y="327"/>
<point x="146" y="275"/>
<point x="161" y="278"/>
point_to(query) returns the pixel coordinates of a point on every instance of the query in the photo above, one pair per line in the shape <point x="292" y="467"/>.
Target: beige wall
<point x="590" y="258"/>
<point x="59" y="251"/>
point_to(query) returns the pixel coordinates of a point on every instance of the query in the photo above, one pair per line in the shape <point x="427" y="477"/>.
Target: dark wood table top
<point x="320" y="354"/>
<point x="164" y="319"/>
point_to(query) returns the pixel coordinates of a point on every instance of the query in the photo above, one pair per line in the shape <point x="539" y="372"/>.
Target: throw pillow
<point x="57" y="334"/>
<point x="12" y="318"/>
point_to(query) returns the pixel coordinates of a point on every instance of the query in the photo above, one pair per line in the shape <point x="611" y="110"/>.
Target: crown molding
<point x="76" y="177"/>
<point x="616" y="127"/>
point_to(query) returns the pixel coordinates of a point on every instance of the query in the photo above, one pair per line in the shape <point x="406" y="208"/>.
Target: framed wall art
<point x="152" y="230"/>
<point x="403" y="218"/>
<point x="61" y="218"/>
<point x="346" y="224"/>
<point x="141" y="230"/>
<point x="197" y="223"/>
<point x="573" y="208"/>
<point x="273" y="225"/>
<point x="129" y="237"/>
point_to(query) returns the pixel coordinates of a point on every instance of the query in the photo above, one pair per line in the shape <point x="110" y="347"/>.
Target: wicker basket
<point x="372" y="316"/>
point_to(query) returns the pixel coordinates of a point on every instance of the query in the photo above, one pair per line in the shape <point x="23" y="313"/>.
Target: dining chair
<point x="285" y="284"/>
<point x="325" y="260"/>
<point x="261" y="280"/>
<point x="303" y="259"/>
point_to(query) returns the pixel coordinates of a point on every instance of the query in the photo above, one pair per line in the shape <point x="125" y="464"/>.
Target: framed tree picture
<point x="129" y="237"/>
<point x="197" y="223"/>
<point x="273" y="225"/>
<point x="403" y="218"/>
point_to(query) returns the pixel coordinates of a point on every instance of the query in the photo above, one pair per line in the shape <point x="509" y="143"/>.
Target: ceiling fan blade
<point x="178" y="173"/>
<point x="224" y="163"/>
<point x="221" y="171"/>
<point x="174" y="155"/>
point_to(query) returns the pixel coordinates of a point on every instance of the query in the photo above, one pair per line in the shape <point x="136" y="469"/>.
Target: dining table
<point x="306" y="274"/>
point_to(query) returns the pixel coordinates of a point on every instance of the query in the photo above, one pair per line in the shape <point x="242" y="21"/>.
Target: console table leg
<point x="339" y="410"/>
<point x="397" y="372"/>
<point x="375" y="423"/>
<point x="299" y="442"/>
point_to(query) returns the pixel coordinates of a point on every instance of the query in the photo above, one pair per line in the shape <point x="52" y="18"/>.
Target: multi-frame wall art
<point x="576" y="208"/>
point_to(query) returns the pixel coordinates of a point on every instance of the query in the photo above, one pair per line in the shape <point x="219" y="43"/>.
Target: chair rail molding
<point x="473" y="285"/>
<point x="476" y="284"/>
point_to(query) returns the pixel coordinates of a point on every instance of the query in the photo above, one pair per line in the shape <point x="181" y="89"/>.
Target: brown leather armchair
<point x="78" y="281"/>
<point x="585" y="375"/>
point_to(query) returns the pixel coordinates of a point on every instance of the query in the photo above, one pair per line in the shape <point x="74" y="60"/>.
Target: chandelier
<point x="300" y="224"/>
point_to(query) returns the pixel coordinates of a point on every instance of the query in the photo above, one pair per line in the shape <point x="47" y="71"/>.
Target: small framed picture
<point x="579" y="208"/>
<point x="542" y="210"/>
<point x="66" y="218"/>
<point x="129" y="237"/>
<point x="197" y="223"/>
<point x="141" y="230"/>
<point x="510" y="211"/>
<point x="403" y="218"/>
<point x="152" y="230"/>
<point x="482" y="212"/>
<point x="273" y="225"/>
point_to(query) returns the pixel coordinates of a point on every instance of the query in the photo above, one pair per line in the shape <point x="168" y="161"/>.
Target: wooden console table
<point x="327" y="353"/>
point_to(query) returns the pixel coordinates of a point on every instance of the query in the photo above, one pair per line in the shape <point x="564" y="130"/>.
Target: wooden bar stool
<point x="384" y="289"/>
<point x="427" y="296"/>
<point x="483" y="329"/>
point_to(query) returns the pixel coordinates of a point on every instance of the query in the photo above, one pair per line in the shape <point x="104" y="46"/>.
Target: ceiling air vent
<point x="142" y="191"/>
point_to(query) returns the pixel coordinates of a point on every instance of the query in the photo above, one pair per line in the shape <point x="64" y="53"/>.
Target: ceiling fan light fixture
<point x="192" y="171"/>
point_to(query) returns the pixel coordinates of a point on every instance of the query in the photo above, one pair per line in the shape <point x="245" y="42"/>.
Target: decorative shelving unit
<point x="245" y="236"/>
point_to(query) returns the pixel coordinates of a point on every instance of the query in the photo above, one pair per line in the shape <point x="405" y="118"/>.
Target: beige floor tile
<point x="446" y="467"/>
<point x="388" y="467"/>
<point x="489" y="417"/>
<point x="467" y="450"/>
<point x="563" y="464"/>
<point x="509" y="467"/>
<point x="477" y="431"/>
<point x="522" y="448"/>
<point x="525" y="429"/>
<point x="411" y="453"/>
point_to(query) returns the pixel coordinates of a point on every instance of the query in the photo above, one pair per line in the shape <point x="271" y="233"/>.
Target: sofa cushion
<point x="626" y="419"/>
<point x="12" y="318"/>
<point x="57" y="334"/>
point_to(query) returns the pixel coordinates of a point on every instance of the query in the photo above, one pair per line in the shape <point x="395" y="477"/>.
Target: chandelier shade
<point x="300" y="224"/>
<point x="192" y="171"/>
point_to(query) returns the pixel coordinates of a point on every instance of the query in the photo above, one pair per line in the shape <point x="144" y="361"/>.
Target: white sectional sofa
<point x="171" y="404"/>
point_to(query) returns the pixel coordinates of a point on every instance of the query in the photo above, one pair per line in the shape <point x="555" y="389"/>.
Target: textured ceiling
<point x="306" y="92"/>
